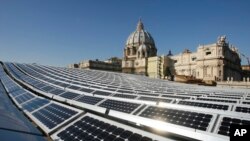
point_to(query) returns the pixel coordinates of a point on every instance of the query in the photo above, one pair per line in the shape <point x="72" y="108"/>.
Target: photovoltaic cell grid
<point x="121" y="106"/>
<point x="89" y="128"/>
<point x="184" y="118"/>
<point x="226" y="122"/>
<point x="69" y="95"/>
<point x="125" y="96"/>
<point x="246" y="102"/>
<point x="17" y="92"/>
<point x="204" y="105"/>
<point x="242" y="109"/>
<point x="102" y="93"/>
<point x="24" y="97"/>
<point x="89" y="99"/>
<point x="216" y="100"/>
<point x="155" y="99"/>
<point x="57" y="91"/>
<point x="35" y="104"/>
<point x="53" y="114"/>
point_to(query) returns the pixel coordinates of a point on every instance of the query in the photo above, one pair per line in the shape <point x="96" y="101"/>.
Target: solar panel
<point x="74" y="87"/>
<point x="230" y="97"/>
<point x="53" y="114"/>
<point x="216" y="100"/>
<point x="40" y="85"/>
<point x="69" y="95"/>
<point x="226" y="122"/>
<point x="89" y="99"/>
<point x="124" y="91"/>
<point x="62" y="84"/>
<point x="48" y="88"/>
<point x="195" y="120"/>
<point x="86" y="90"/>
<point x="175" y="96"/>
<point x="155" y="99"/>
<point x="126" y="107"/>
<point x="24" y="97"/>
<point x="102" y="93"/>
<point x="204" y="105"/>
<point x="125" y="96"/>
<point x="245" y="102"/>
<point x="34" y="104"/>
<point x="242" y="109"/>
<point x="95" y="128"/>
<point x="17" y="92"/>
<point x="148" y="94"/>
<point x="57" y="91"/>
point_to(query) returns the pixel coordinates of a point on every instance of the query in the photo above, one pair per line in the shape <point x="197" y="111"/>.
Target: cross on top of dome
<point x="140" y="25"/>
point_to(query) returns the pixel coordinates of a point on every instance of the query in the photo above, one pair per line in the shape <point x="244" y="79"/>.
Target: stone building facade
<point x="219" y="61"/>
<point x="112" y="64"/>
<point x="160" y="67"/>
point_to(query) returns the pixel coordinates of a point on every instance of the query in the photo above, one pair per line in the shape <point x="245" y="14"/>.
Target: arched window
<point x="128" y="51"/>
<point x="134" y="50"/>
<point x="143" y="54"/>
<point x="138" y="54"/>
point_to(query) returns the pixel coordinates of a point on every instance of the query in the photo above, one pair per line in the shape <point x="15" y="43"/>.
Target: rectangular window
<point x="208" y="53"/>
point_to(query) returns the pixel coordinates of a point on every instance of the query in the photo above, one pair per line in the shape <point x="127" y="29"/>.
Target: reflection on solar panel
<point x="89" y="99"/>
<point x="53" y="114"/>
<point x="184" y="118"/>
<point x="204" y="105"/>
<point x="121" y="106"/>
<point x="226" y="122"/>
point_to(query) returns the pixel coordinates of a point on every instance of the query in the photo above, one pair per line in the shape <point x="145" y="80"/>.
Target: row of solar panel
<point x="50" y="115"/>
<point x="199" y="104"/>
<point x="175" y="123"/>
<point x="216" y="95"/>
<point x="90" y="100"/>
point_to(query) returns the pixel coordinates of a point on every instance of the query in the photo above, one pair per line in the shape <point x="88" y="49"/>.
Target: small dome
<point x="140" y="36"/>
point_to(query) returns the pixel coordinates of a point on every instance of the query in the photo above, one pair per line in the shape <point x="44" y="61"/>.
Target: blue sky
<point x="60" y="32"/>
